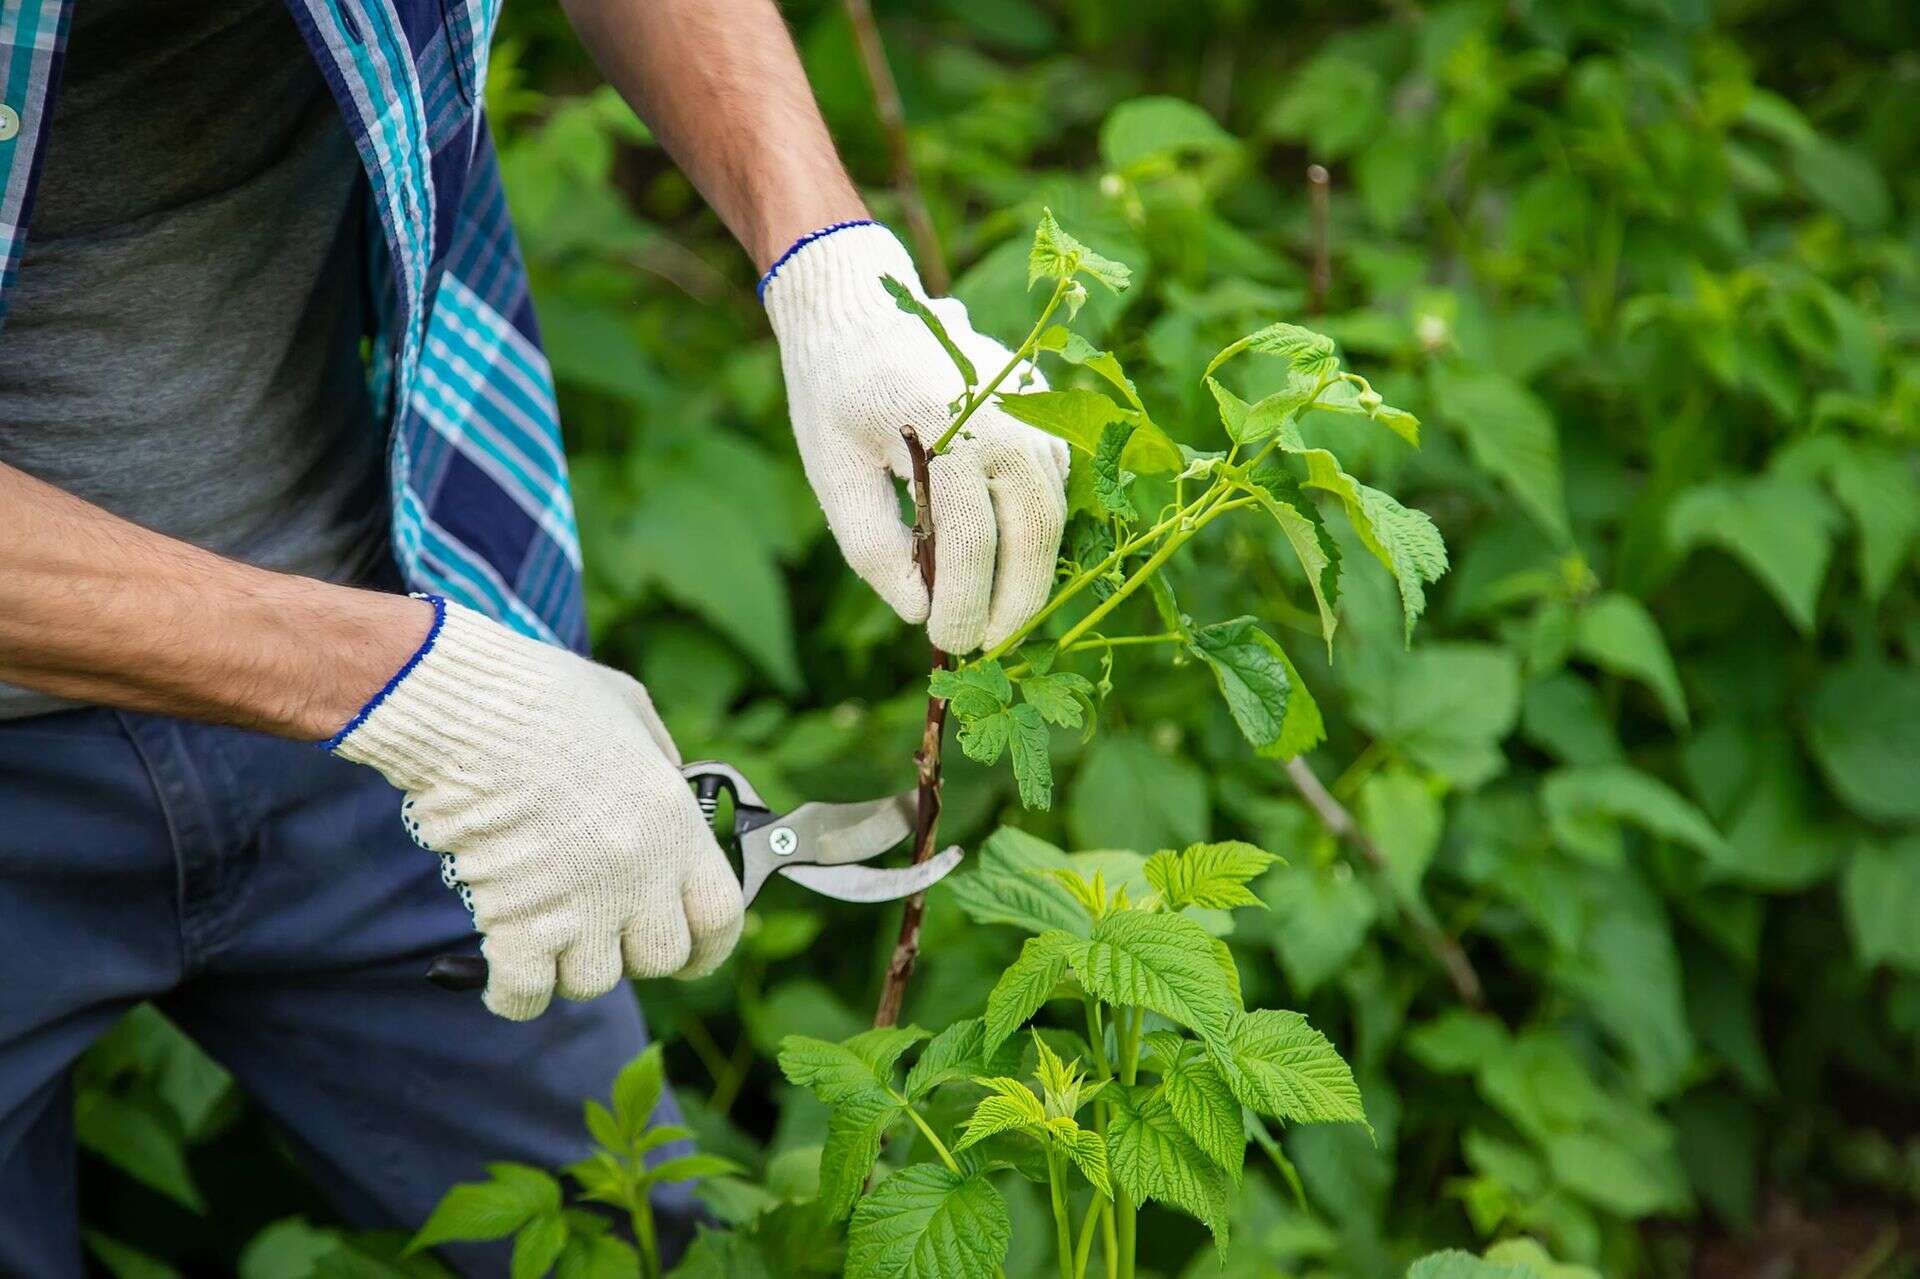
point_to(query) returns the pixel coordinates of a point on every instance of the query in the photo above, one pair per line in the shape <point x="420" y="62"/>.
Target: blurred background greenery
<point x="1649" y="272"/>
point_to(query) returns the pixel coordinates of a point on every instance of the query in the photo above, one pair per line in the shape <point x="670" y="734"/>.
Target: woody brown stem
<point x="1438" y="943"/>
<point x="1318" y="284"/>
<point x="926" y="760"/>
<point x="893" y="124"/>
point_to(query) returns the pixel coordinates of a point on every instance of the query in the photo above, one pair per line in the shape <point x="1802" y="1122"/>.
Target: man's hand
<point x="554" y="788"/>
<point x="858" y="369"/>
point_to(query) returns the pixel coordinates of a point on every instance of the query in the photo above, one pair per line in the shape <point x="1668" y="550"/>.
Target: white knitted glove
<point x="858" y="369"/>
<point x="552" y="785"/>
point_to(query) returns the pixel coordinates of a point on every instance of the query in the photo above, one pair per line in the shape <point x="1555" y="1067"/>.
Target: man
<point x="210" y="500"/>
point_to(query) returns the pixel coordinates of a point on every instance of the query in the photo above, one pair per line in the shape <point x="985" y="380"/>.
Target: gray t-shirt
<point x="184" y="343"/>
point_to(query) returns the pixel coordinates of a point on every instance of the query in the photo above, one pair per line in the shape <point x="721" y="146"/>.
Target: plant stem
<point x="1126" y="1229"/>
<point x="1438" y="943"/>
<point x="939" y="1146"/>
<point x="640" y="1213"/>
<point x="1083" y="1251"/>
<point x="986" y="390"/>
<point x="1062" y="1222"/>
<point x="906" y="948"/>
<point x="893" y="124"/>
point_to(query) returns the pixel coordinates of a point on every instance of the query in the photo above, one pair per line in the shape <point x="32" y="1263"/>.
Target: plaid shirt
<point x="481" y="510"/>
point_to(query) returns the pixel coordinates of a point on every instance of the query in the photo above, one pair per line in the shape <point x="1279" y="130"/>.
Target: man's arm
<point x="720" y="85"/>
<point x="101" y="610"/>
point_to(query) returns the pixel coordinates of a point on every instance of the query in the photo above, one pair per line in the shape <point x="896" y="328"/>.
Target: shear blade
<point x="874" y="884"/>
<point x="833" y="834"/>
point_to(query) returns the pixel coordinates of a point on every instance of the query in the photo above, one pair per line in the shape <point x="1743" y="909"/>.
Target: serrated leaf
<point x="1078" y="416"/>
<point x="1009" y="1106"/>
<point x="929" y="1222"/>
<point x="1617" y="634"/>
<point x="1586" y="806"/>
<point x="1075" y="349"/>
<point x="1780" y="527"/>
<point x="637" y="1089"/>
<point x="694" y="1167"/>
<point x="973" y="691"/>
<point x="1402" y="539"/>
<point x="904" y="299"/>
<point x="1251" y="673"/>
<point x="1058" y="256"/>
<point x="1299" y="519"/>
<point x="1280" y="1066"/>
<point x="1151" y="1157"/>
<point x="985" y="738"/>
<point x="855" y="1130"/>
<point x="1201" y="1102"/>
<point x="1004" y="889"/>
<point x="1165" y="963"/>
<point x="1511" y="434"/>
<point x="537" y="1246"/>
<point x="960" y="1051"/>
<point x="1210" y="876"/>
<point x="513" y="1196"/>
<point x="1088" y="1152"/>
<point x="835" y="1072"/>
<point x="1032" y="768"/>
<point x="1110" y="480"/>
<point x="1061" y="697"/>
<point x="1307" y="354"/>
<point x="1026" y="984"/>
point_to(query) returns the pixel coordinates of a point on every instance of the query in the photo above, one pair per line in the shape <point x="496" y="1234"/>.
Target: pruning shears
<point x="820" y="846"/>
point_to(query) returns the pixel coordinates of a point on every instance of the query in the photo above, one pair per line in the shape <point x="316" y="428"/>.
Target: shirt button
<point x="9" y="122"/>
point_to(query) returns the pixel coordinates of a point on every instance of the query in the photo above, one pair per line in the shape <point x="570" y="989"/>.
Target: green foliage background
<point x="1649" y="273"/>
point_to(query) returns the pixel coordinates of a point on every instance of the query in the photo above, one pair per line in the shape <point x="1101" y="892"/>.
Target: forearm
<point x="98" y="609"/>
<point x="719" y="83"/>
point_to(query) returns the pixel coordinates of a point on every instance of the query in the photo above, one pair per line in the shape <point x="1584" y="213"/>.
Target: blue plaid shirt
<point x="481" y="510"/>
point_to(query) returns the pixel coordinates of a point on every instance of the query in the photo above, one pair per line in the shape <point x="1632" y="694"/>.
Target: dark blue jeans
<point x="266" y="897"/>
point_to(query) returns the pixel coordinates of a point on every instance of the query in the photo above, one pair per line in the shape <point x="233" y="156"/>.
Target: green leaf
<point x="1110" y="481"/>
<point x="1306" y="533"/>
<point x="1844" y="179"/>
<point x="1148" y="132"/>
<point x="140" y="1140"/>
<point x="538" y="1246"/>
<point x="636" y="1091"/>
<point x="1399" y="810"/>
<point x="1881" y="893"/>
<point x="1780" y="527"/>
<point x="1058" y="256"/>
<point x="1061" y="697"/>
<point x="960" y="1051"/>
<point x="904" y="299"/>
<point x="1028" y="982"/>
<point x="855" y="1129"/>
<point x="1458" y="1042"/>
<point x="1454" y="1264"/>
<point x="1150" y="1156"/>
<point x="1586" y="806"/>
<point x="493" y="1209"/>
<point x="1031" y="767"/>
<point x="694" y="1167"/>
<point x="1278" y="1065"/>
<point x="1007" y="888"/>
<point x="1200" y="1100"/>
<point x="1446" y="706"/>
<point x="929" y="1222"/>
<point x="1078" y="416"/>
<point x="835" y="1072"/>
<point x="1088" y="1152"/>
<point x="1333" y="104"/>
<point x="1320" y="917"/>
<point x="1008" y="1106"/>
<point x="1308" y="354"/>
<point x="985" y="739"/>
<point x="1865" y="720"/>
<point x="1127" y="794"/>
<point x="1210" y="876"/>
<point x="1251" y="673"/>
<point x="974" y="691"/>
<point x="1511" y="434"/>
<point x="1618" y="634"/>
<point x="1160" y="962"/>
<point x="1402" y="539"/>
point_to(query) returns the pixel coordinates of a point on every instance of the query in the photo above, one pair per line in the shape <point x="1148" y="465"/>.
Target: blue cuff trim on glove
<point x="426" y="646"/>
<point x="760" y="289"/>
